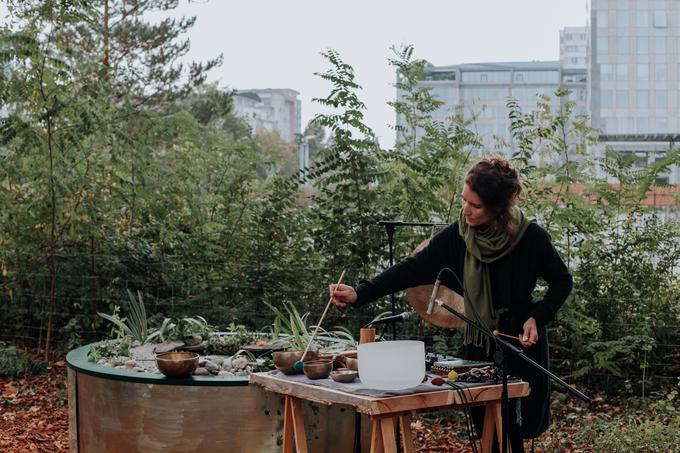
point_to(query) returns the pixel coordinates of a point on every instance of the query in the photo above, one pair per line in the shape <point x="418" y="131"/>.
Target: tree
<point x="85" y="80"/>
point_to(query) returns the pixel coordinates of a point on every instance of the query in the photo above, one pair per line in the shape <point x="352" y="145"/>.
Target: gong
<point x="419" y="298"/>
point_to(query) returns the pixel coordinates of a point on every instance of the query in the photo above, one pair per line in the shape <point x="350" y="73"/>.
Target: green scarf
<point x="485" y="246"/>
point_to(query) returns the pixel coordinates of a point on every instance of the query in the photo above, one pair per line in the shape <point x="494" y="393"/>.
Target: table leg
<point x="293" y="426"/>
<point x="493" y="423"/>
<point x="388" y="426"/>
<point x="376" y="436"/>
<point x="406" y="438"/>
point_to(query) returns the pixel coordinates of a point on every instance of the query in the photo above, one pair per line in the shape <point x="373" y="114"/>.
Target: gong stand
<point x="503" y="347"/>
<point x="390" y="226"/>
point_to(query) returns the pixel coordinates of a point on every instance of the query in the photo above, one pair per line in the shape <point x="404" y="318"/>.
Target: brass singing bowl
<point x="284" y="361"/>
<point x="344" y="376"/>
<point x="177" y="364"/>
<point x="317" y="369"/>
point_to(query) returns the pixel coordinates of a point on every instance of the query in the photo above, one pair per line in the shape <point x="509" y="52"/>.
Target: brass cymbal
<point x="419" y="298"/>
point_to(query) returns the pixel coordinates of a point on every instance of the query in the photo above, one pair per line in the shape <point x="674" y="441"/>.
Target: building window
<point x="626" y="125"/>
<point x="606" y="99"/>
<point x="606" y="72"/>
<point x="622" y="71"/>
<point x="642" y="125"/>
<point x="621" y="99"/>
<point x="602" y="45"/>
<point x="661" y="125"/>
<point x="661" y="99"/>
<point x="519" y="77"/>
<point x="660" y="45"/>
<point x="642" y="99"/>
<point x="611" y="125"/>
<point x="582" y="36"/>
<point x="623" y="45"/>
<point x="492" y="76"/>
<point x="622" y="18"/>
<point x="642" y="71"/>
<point x="660" y="72"/>
<point x="602" y="18"/>
<point x="660" y="19"/>
<point x="642" y="18"/>
<point x="642" y="45"/>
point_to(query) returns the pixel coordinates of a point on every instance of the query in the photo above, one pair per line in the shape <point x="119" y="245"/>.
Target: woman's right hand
<point x="342" y="294"/>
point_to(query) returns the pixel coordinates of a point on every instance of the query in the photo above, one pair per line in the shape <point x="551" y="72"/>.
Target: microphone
<point x="433" y="297"/>
<point x="396" y="318"/>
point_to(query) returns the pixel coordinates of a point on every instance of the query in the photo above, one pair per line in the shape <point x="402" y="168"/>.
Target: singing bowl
<point x="419" y="298"/>
<point x="177" y="364"/>
<point x="344" y="376"/>
<point x="317" y="369"/>
<point x="284" y="361"/>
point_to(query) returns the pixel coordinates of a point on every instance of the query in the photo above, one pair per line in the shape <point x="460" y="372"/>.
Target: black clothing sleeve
<point x="419" y="269"/>
<point x="552" y="269"/>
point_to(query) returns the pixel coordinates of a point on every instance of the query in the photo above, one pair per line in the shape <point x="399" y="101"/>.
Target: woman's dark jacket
<point x="513" y="280"/>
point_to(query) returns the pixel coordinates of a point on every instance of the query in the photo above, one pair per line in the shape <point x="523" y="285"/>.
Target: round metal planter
<point x="115" y="410"/>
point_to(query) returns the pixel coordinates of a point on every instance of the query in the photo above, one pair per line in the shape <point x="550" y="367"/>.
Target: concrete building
<point x="623" y="69"/>
<point x="633" y="77"/>
<point x="271" y="109"/>
<point x="481" y="91"/>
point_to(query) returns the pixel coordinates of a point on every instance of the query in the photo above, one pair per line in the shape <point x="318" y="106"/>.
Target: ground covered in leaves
<point x="34" y="412"/>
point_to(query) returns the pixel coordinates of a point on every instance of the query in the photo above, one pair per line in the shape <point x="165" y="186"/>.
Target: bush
<point x="640" y="427"/>
<point x="16" y="363"/>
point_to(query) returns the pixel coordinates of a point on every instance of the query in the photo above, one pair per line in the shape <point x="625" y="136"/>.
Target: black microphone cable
<point x="469" y="424"/>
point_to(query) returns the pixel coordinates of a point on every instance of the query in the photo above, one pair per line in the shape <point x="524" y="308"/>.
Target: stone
<point x="130" y="363"/>
<point x="200" y="371"/>
<point x="239" y="363"/>
<point x="216" y="359"/>
<point x="225" y="373"/>
<point x="212" y="367"/>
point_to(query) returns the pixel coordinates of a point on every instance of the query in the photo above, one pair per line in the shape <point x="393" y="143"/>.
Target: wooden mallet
<point x="299" y="363"/>
<point x="499" y="334"/>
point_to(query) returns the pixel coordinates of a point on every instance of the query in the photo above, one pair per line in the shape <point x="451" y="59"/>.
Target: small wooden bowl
<point x="177" y="364"/>
<point x="317" y="369"/>
<point x="344" y="376"/>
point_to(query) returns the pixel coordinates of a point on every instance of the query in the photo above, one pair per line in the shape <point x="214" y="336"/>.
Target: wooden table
<point x="385" y="413"/>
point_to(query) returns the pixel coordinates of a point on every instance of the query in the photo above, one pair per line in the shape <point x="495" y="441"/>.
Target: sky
<point x="278" y="44"/>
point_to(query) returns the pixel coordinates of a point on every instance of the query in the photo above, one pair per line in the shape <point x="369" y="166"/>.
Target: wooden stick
<point x="499" y="334"/>
<point x="316" y="330"/>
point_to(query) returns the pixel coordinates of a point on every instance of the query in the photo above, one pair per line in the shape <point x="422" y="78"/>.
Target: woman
<point x="498" y="254"/>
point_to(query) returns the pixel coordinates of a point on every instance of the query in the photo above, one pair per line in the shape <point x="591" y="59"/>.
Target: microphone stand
<point x="503" y="346"/>
<point x="390" y="226"/>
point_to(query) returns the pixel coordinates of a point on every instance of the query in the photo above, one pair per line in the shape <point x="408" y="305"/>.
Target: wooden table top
<point x="387" y="405"/>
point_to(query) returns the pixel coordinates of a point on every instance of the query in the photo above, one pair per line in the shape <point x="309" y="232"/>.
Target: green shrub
<point x="16" y="363"/>
<point x="651" y="427"/>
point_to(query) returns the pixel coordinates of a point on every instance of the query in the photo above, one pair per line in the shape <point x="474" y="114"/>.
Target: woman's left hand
<point x="530" y="335"/>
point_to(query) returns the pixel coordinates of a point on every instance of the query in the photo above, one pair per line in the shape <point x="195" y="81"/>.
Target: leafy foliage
<point x="14" y="362"/>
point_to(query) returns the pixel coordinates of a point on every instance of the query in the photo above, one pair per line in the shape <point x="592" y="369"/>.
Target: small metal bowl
<point x="317" y="369"/>
<point x="284" y="361"/>
<point x="344" y="376"/>
<point x="177" y="364"/>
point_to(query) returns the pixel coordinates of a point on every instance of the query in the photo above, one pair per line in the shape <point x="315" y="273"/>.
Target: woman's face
<point x="474" y="211"/>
